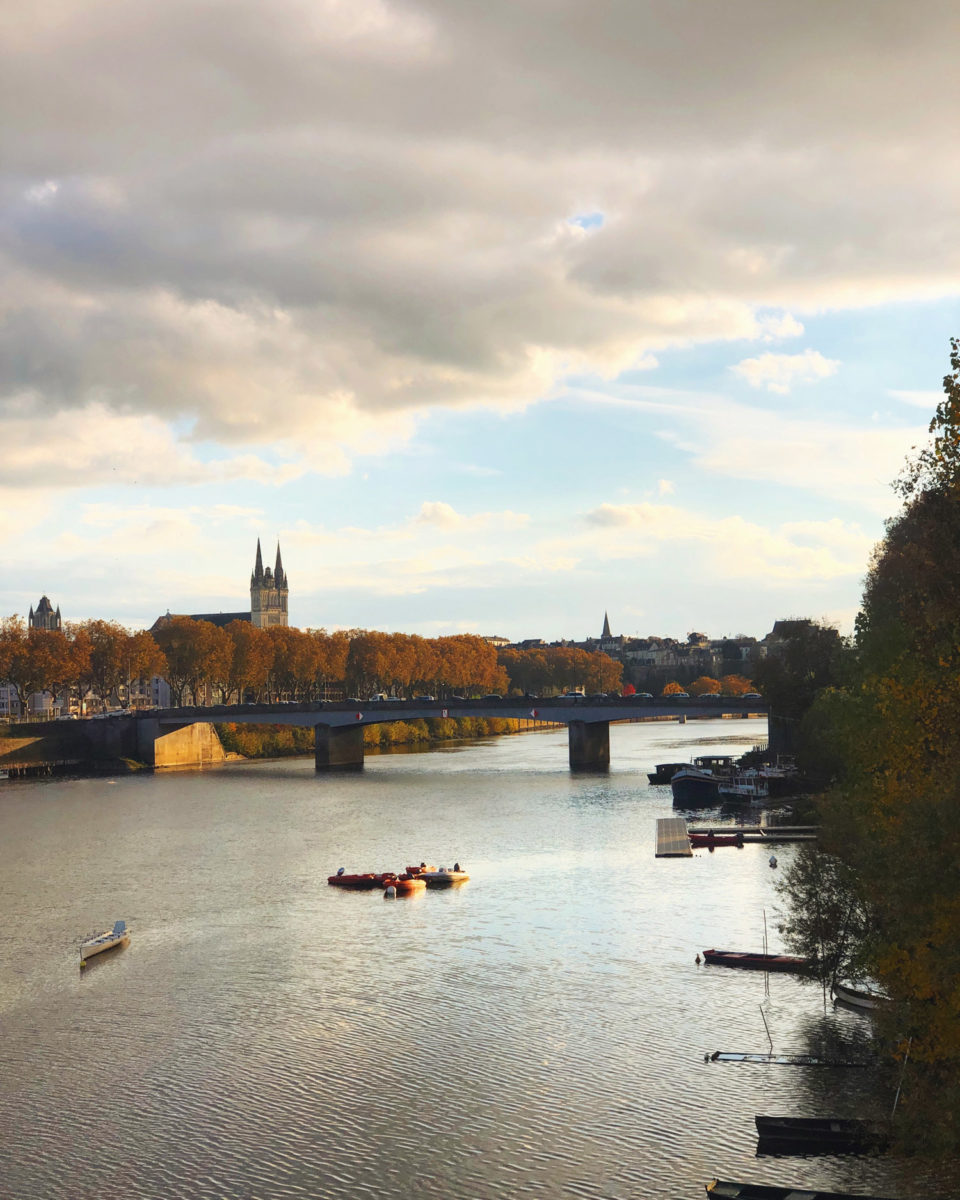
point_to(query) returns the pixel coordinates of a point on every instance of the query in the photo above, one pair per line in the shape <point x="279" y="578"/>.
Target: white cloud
<point x="665" y="487"/>
<point x="441" y="515"/>
<point x="778" y="372"/>
<point x="731" y="547"/>
<point x="918" y="399"/>
<point x="783" y="326"/>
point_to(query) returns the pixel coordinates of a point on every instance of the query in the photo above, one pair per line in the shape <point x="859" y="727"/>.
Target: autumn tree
<point x="251" y="659"/>
<point x="673" y="689"/>
<point x="704" y="686"/>
<point x="735" y="685"/>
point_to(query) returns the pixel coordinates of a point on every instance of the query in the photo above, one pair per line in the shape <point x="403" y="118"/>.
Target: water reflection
<point x="539" y="1031"/>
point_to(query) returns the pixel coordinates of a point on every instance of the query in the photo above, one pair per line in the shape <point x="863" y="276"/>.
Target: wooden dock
<point x="672" y="840"/>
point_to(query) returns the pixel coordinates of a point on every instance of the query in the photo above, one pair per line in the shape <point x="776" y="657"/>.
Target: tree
<point x="251" y="659"/>
<point x="107" y="657"/>
<point x="827" y="918"/>
<point x="704" y="686"/>
<point x="735" y="685"/>
<point x="673" y="689"/>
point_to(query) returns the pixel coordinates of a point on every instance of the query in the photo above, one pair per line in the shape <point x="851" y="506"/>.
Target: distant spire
<point x="278" y="569"/>
<point x="606" y="627"/>
<point x="258" y="569"/>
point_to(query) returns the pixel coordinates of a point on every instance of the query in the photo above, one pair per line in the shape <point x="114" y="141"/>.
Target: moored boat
<point x="710" y="840"/>
<point x="360" y="883"/>
<point x="664" y="772"/>
<point x="730" y="1190"/>
<point x="443" y="878"/>
<point x="99" y="943"/>
<point x="863" y="997"/>
<point x="823" y="1135"/>
<point x="693" y="786"/>
<point x="408" y="885"/>
<point x="757" y="962"/>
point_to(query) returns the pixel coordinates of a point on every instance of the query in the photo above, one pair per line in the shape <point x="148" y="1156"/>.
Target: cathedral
<point x="268" y="593"/>
<point x="268" y="599"/>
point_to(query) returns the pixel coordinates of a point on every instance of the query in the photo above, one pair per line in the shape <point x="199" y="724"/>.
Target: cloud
<point x="305" y="227"/>
<point x="778" y="372"/>
<point x="731" y="547"/>
<point x="665" y="487"/>
<point x="918" y="399"/>
<point x="441" y="515"/>
<point x="782" y="326"/>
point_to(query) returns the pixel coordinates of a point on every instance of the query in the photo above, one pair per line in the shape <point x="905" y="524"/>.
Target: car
<point x="573" y="696"/>
<point x="643" y="696"/>
<point x="677" y="696"/>
<point x="751" y="696"/>
<point x="379" y="698"/>
<point x="493" y="696"/>
<point x="424" y="697"/>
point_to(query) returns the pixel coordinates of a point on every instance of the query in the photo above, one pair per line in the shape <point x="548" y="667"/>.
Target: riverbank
<point x="281" y="741"/>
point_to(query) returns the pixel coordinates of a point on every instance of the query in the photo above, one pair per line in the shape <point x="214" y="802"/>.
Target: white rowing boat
<point x="98" y="943"/>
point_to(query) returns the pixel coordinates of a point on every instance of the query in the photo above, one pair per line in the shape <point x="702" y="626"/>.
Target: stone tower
<point x="268" y="593"/>
<point x="43" y="616"/>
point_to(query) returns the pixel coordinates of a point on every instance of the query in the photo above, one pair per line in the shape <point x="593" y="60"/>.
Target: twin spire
<point x="278" y="578"/>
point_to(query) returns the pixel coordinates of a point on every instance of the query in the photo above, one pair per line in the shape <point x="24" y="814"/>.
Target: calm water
<point x="539" y="1031"/>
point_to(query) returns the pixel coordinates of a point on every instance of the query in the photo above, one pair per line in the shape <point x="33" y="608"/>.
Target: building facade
<point x="44" y="616"/>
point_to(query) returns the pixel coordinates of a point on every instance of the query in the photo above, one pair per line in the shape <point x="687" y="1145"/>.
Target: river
<point x="539" y="1031"/>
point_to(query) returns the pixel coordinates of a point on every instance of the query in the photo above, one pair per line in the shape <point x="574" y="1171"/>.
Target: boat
<point x="419" y="870"/>
<point x="664" y="772"/>
<point x="716" y="839"/>
<point x="360" y="883"/>
<point x="864" y="997"/>
<point x="730" y="1190"/>
<point x="693" y="786"/>
<point x="820" y="1135"/>
<point x="443" y="878"/>
<point x="757" y="962"/>
<point x="779" y="1060"/>
<point x="748" y="786"/>
<point x="409" y="885"/>
<point x="99" y="943"/>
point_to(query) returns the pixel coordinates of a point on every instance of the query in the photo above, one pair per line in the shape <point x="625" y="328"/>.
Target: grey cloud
<point x="269" y="216"/>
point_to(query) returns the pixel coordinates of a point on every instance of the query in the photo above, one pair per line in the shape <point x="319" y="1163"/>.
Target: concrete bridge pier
<point x="178" y="746"/>
<point x="589" y="745"/>
<point x="338" y="747"/>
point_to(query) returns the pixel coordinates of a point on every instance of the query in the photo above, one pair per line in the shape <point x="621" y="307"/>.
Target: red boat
<point x="364" y="883"/>
<point x="757" y="962"/>
<point x="716" y="839"/>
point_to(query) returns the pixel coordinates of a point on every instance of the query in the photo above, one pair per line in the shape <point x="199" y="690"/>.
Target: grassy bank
<point x="278" y="741"/>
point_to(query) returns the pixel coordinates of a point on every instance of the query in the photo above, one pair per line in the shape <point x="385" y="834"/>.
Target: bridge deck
<point x="672" y="840"/>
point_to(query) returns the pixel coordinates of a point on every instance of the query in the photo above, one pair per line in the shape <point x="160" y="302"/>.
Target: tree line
<point x="202" y="662"/>
<point x="881" y="896"/>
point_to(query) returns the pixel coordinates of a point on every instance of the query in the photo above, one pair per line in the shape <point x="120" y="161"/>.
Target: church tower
<point x="44" y="616"/>
<point x="268" y="593"/>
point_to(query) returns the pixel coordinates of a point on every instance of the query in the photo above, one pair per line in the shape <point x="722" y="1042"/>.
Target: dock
<point x="762" y="832"/>
<point x="672" y="840"/>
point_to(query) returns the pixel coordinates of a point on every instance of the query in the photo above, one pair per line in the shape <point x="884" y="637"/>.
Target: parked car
<point x="424" y="697"/>
<point x="493" y="696"/>
<point x="751" y="696"/>
<point x="573" y="696"/>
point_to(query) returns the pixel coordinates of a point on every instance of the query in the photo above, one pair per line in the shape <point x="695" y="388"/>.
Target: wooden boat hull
<point x="360" y="883"/>
<point x="757" y="962"/>
<point x="710" y="840"/>
<point x="729" y="1190"/>
<point x="819" y="1135"/>
<point x="90" y="949"/>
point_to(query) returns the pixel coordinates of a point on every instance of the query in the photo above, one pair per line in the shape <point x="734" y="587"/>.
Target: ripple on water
<point x="538" y="1032"/>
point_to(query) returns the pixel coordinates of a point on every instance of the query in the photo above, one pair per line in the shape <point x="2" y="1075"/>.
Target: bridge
<point x="184" y="736"/>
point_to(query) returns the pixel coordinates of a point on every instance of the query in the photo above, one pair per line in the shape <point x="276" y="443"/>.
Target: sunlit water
<point x="539" y="1031"/>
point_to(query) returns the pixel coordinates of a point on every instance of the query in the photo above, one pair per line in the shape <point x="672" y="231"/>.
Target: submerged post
<point x="338" y="748"/>
<point x="589" y="745"/>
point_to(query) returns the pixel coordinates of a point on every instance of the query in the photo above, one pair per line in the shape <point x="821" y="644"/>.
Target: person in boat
<point x="456" y="866"/>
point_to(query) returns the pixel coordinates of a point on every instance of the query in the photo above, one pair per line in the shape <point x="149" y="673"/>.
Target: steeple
<point x="606" y="627"/>
<point x="258" y="569"/>
<point x="278" y="577"/>
<point x="268" y="593"/>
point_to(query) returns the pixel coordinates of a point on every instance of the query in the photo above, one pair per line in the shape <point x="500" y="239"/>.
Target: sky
<point x="497" y="316"/>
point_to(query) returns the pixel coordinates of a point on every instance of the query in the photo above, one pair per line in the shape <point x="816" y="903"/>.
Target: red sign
<point x="359" y="716"/>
